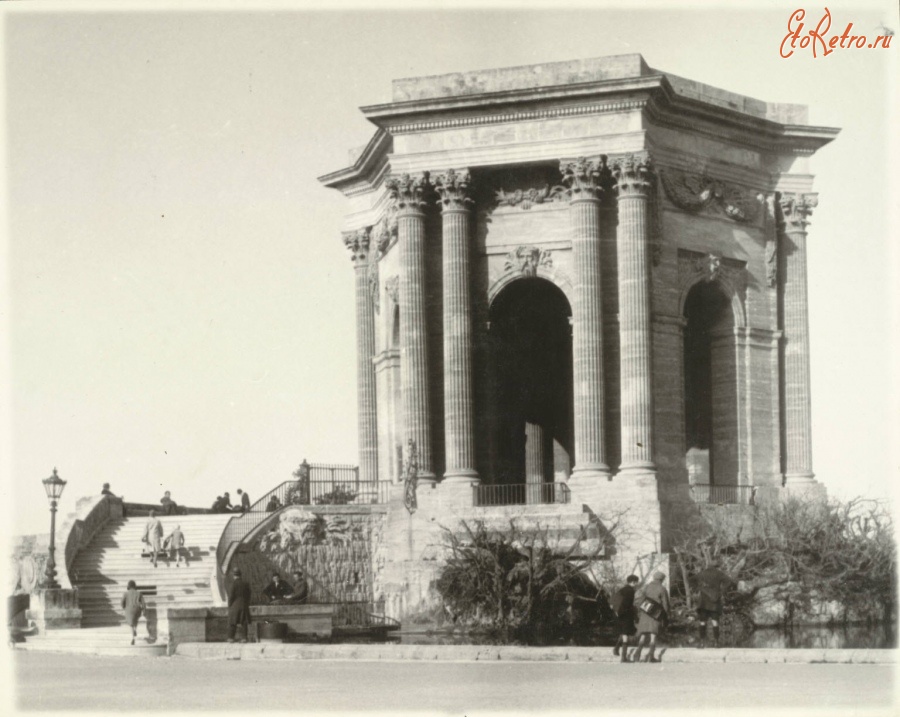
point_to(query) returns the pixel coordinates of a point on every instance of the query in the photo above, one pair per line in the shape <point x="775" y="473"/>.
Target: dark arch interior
<point x="707" y="312"/>
<point x="532" y="375"/>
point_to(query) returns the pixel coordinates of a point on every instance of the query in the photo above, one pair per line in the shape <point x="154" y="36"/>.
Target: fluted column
<point x="408" y="192"/>
<point x="459" y="420"/>
<point x="535" y="459"/>
<point x="796" y="209"/>
<point x="633" y="182"/>
<point x="367" y="427"/>
<point x="582" y="178"/>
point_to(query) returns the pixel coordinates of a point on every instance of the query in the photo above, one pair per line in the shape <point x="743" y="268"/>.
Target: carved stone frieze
<point x="772" y="230"/>
<point x="358" y="244"/>
<point x="454" y="189"/>
<point x="409" y="192"/>
<point x="373" y="287"/>
<point x="694" y="267"/>
<point x="386" y="232"/>
<point x="796" y="208"/>
<point x="695" y="192"/>
<point x="392" y="288"/>
<point x="526" y="260"/>
<point x="527" y="198"/>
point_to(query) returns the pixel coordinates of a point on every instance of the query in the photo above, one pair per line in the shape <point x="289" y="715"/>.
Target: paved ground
<point x="51" y="681"/>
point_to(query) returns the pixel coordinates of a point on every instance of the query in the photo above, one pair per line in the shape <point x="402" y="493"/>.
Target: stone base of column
<point x="457" y="493"/>
<point x="644" y="468"/>
<point x="463" y="477"/>
<point x="55" y="609"/>
<point x="804" y="486"/>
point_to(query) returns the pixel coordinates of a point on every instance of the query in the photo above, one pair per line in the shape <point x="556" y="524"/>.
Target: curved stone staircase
<point x="101" y="573"/>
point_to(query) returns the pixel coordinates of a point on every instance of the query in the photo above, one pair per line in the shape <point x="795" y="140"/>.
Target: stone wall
<point x="334" y="545"/>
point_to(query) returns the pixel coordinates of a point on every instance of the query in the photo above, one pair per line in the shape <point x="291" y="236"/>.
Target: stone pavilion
<point x="588" y="274"/>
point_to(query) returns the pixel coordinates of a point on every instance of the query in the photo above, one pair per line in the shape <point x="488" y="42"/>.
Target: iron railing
<point x="521" y="494"/>
<point x="723" y="494"/>
<point x="360" y="615"/>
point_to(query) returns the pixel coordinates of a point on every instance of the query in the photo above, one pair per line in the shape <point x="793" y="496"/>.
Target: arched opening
<point x="531" y="363"/>
<point x="710" y="386"/>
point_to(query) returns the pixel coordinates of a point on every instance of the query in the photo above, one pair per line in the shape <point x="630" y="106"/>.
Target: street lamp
<point x="54" y="486"/>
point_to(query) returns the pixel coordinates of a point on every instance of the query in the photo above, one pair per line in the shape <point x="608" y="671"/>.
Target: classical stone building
<point x="589" y="273"/>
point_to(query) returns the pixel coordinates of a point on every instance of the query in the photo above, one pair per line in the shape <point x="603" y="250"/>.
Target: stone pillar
<point x="459" y="407"/>
<point x="582" y="179"/>
<point x="796" y="209"/>
<point x="535" y="444"/>
<point x="409" y="194"/>
<point x="633" y="183"/>
<point x="367" y="427"/>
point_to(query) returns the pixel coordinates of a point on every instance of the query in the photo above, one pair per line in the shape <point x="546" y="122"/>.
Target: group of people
<point x="222" y="503"/>
<point x="277" y="592"/>
<point x="644" y="612"/>
<point x="172" y="546"/>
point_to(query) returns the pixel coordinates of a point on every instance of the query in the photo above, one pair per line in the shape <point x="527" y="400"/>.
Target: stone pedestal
<point x="55" y="609"/>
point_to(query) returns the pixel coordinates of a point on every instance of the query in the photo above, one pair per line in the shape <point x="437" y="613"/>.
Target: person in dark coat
<point x="300" y="593"/>
<point x="238" y="606"/>
<point x="133" y="604"/>
<point x="623" y="604"/>
<point x="277" y="590"/>
<point x="712" y="584"/>
<point x="245" y="501"/>
<point x="653" y="609"/>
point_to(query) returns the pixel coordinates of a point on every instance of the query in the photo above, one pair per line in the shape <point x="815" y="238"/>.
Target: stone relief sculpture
<point x="392" y="289"/>
<point x="526" y="198"/>
<point x="695" y="192"/>
<point x="527" y="259"/>
<point x="410" y="476"/>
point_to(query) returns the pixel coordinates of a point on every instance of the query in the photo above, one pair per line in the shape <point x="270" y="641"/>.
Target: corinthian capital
<point x="796" y="208"/>
<point x="633" y="175"/>
<point x="585" y="178"/>
<point x="454" y="189"/>
<point x="408" y="191"/>
<point x="358" y="244"/>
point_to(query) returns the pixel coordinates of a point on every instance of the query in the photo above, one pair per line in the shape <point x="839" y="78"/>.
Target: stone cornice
<point x="365" y="170"/>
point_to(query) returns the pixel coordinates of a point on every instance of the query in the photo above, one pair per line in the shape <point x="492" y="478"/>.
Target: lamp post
<point x="54" y="486"/>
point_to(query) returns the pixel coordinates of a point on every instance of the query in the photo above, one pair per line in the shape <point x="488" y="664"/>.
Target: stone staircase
<point x="101" y="572"/>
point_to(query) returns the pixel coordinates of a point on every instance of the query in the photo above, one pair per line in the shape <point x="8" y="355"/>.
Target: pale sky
<point x="178" y="306"/>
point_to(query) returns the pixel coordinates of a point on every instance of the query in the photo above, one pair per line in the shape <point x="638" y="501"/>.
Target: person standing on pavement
<point x="238" y="606"/>
<point x="623" y="604"/>
<point x="153" y="534"/>
<point x="712" y="585"/>
<point x="245" y="501"/>
<point x="653" y="611"/>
